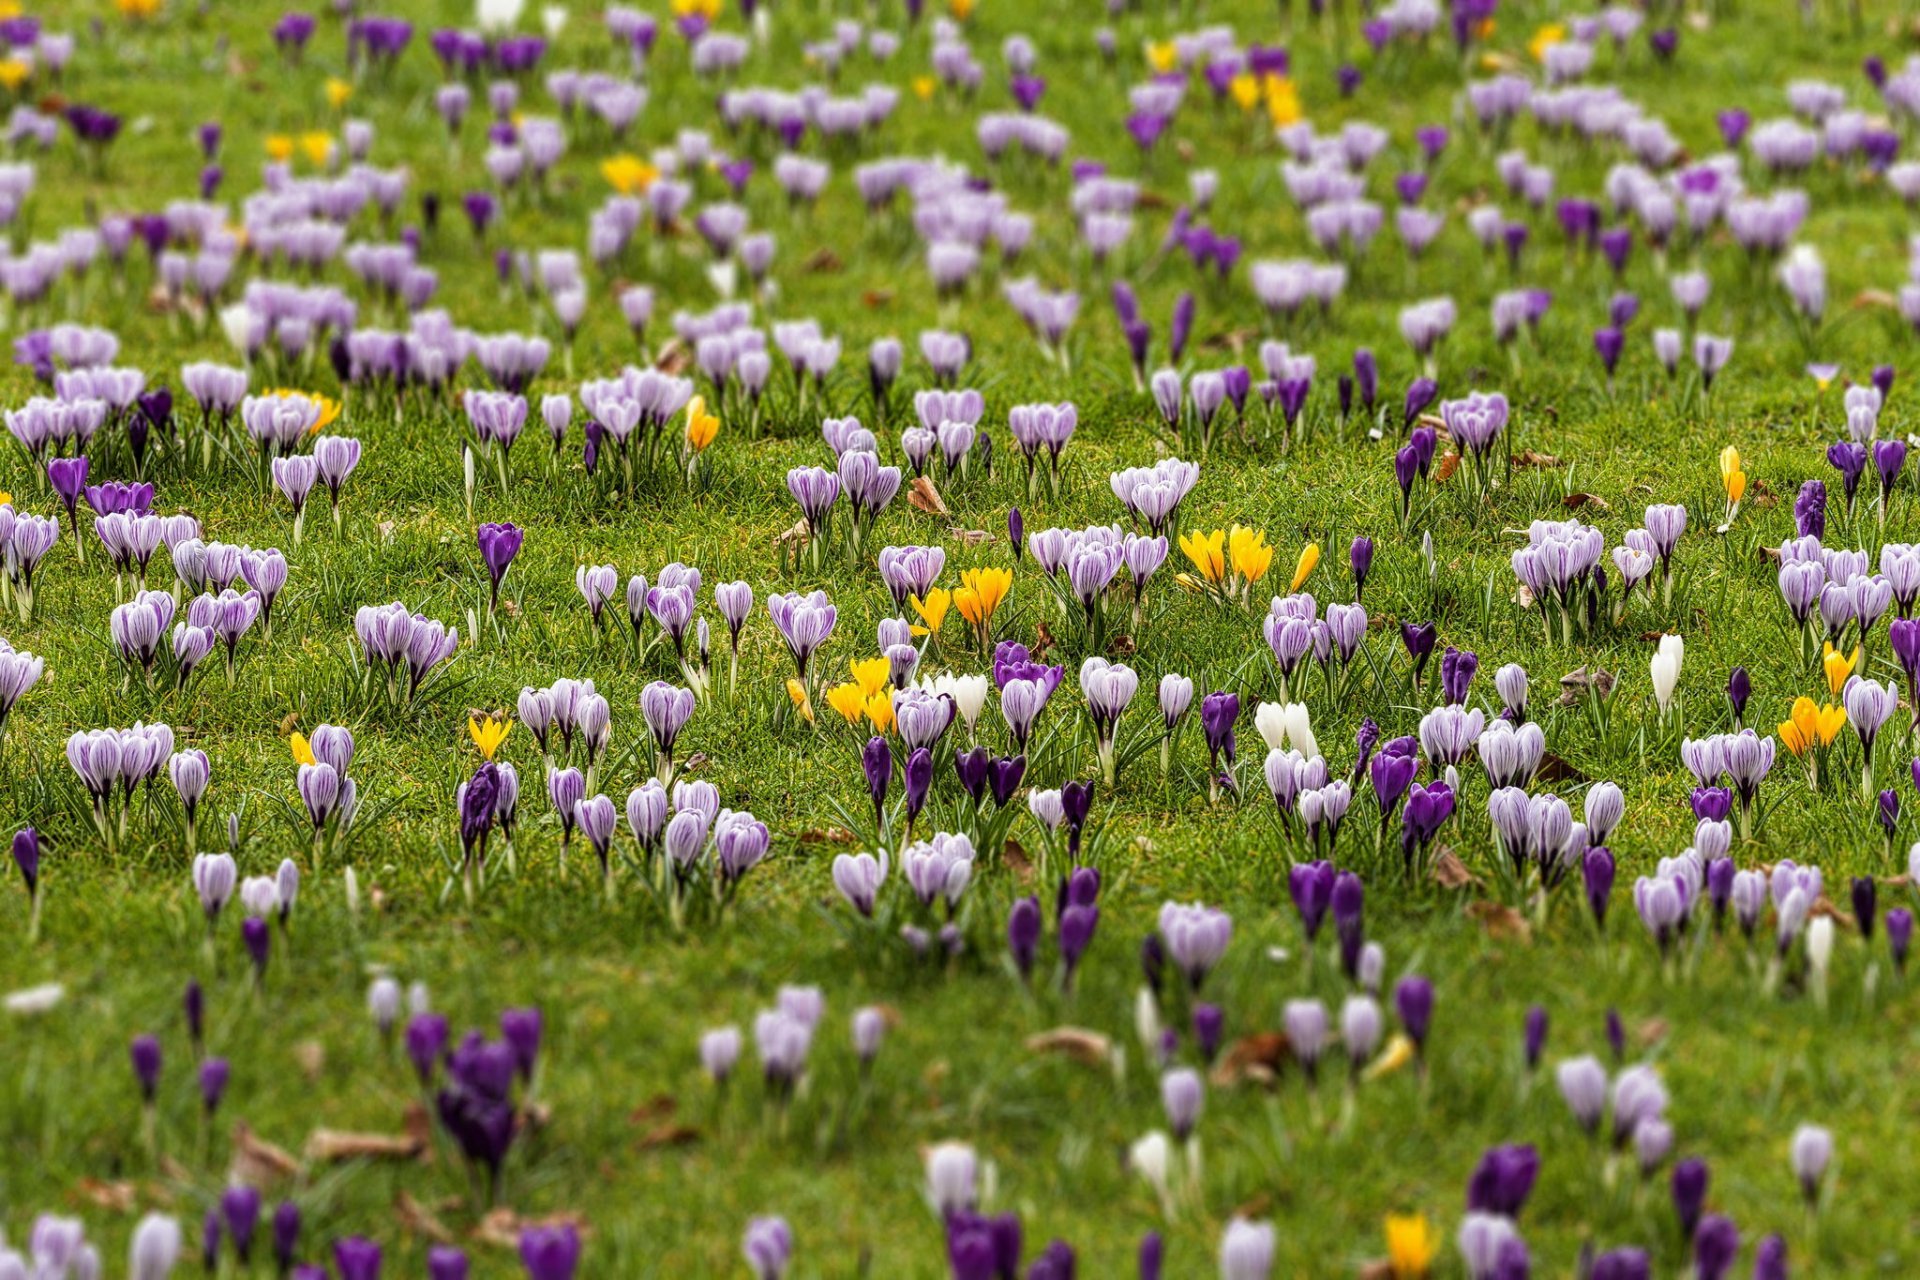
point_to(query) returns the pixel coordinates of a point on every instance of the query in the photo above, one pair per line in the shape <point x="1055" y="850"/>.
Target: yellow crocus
<point x="980" y="593"/>
<point x="1303" y="569"/>
<point x="848" y="700"/>
<point x="708" y="9"/>
<point x="628" y="174"/>
<point x="279" y="148"/>
<point x="1249" y="553"/>
<point x="702" y="426"/>
<point x="14" y="73"/>
<point x="960" y="9"/>
<point x="923" y="87"/>
<point x="1544" y="38"/>
<point x="871" y="674"/>
<point x="1832" y="719"/>
<point x="1245" y="89"/>
<point x="797" y="692"/>
<point x="137" y="8"/>
<point x="1411" y="1245"/>
<point x="880" y="711"/>
<point x="318" y="147"/>
<point x="1839" y="665"/>
<point x="1398" y="1053"/>
<point x="1163" y="56"/>
<point x="1732" y="476"/>
<point x="1810" y="725"/>
<point x="1208" y="552"/>
<point x="301" y="748"/>
<point x="1283" y="102"/>
<point x="932" y="610"/>
<point x="338" y="91"/>
<point x="488" y="732"/>
<point x="6" y="498"/>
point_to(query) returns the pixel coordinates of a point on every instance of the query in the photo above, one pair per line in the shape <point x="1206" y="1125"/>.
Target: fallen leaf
<point x="1554" y="768"/>
<point x="1769" y="555"/>
<point x="1580" y="681"/>
<point x="660" y="1106"/>
<point x="797" y="535"/>
<point x="970" y="537"/>
<point x="1524" y="596"/>
<point x="1500" y="921"/>
<point x="922" y="496"/>
<point x="1015" y="856"/>
<point x="1042" y="641"/>
<point x="420" y="1220"/>
<point x="1449" y="463"/>
<point x="670" y="1134"/>
<point x="674" y="356"/>
<point x="1121" y="646"/>
<point x="503" y="1227"/>
<point x="1376" y="1269"/>
<point x="823" y="261"/>
<point x="116" y="1197"/>
<point x="257" y="1161"/>
<point x="331" y="1146"/>
<point x="695" y="762"/>
<point x="826" y="835"/>
<point x="1651" y="1032"/>
<point x="1575" y="501"/>
<point x="1872" y="298"/>
<point x="1260" y="1057"/>
<point x="1529" y="458"/>
<point x="1089" y="1048"/>
<point x="1451" y="873"/>
<point x="877" y="298"/>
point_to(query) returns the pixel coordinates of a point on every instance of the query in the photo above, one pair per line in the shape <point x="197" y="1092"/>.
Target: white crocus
<point x="498" y="15"/>
<point x="969" y="694"/>
<point x="1270" y="718"/>
<point x="1152" y="1158"/>
<point x="1665" y="669"/>
<point x="554" y="18"/>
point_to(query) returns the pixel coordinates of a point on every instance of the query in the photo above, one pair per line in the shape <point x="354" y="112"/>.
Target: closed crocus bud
<point x="1739" y="689"/>
<point x="1899" y="936"/>
<point x="1182" y="1095"/>
<point x="869" y="1029"/>
<point x="286" y="1233"/>
<point x="26" y="856"/>
<point x="1152" y="1256"/>
<point x="1689" y="1193"/>
<point x="1616" y="1035"/>
<point x="1023" y="934"/>
<point x="145" y="1053"/>
<point x="214" y="1074"/>
<point x="1413" y="1001"/>
<point x="1770" y="1259"/>
<point x="1810" y="1153"/>
<point x="1016" y="533"/>
<point x="1864" y="897"/>
<point x="446" y="1263"/>
<point x="1360" y="560"/>
<point x="1209" y="1022"/>
<point x="240" y="1207"/>
<point x="1535" y="1038"/>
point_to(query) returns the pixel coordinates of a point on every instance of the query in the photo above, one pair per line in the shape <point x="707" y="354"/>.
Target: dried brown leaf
<point x="1449" y="463"/>
<point x="1451" y="873"/>
<point x="670" y="1134"/>
<point x="332" y="1146"/>
<point x="877" y="298"/>
<point x="1014" y="854"/>
<point x="674" y="357"/>
<point x="115" y="1197"/>
<point x="922" y="496"/>
<point x="824" y="261"/>
<point x="660" y="1106"/>
<point x="1501" y="921"/>
<point x="1575" y="501"/>
<point x="1531" y="458"/>
<point x="970" y="537"/>
<point x="1260" y="1057"/>
<point x="1043" y="640"/>
<point x="797" y="535"/>
<point x="826" y="835"/>
<point x="419" y="1220"/>
<point x="1555" y="768"/>
<point x="1089" y="1048"/>
<point x="1121" y="646"/>
<point x="503" y="1227"/>
<point x="257" y="1161"/>
<point x="1873" y="298"/>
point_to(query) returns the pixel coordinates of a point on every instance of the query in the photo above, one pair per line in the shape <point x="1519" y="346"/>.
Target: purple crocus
<point x="499" y="544"/>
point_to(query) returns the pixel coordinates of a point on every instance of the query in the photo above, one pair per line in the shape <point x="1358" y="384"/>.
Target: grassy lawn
<point x="621" y="1132"/>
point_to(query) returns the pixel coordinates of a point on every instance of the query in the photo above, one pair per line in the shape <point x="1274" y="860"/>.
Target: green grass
<point x="625" y="997"/>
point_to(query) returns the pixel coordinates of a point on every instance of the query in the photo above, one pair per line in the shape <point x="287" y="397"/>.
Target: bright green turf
<point x="625" y="1000"/>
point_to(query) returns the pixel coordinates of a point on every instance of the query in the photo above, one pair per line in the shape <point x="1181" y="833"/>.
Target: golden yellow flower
<point x="488" y="732"/>
<point x="1162" y="55"/>
<point x="708" y="9"/>
<point x="880" y="711"/>
<point x="932" y="610"/>
<point x="338" y="91"/>
<point x="980" y="593"/>
<point x="702" y="426"/>
<point x="1809" y="725"/>
<point x="1283" y="101"/>
<point x="1732" y="476"/>
<point x="923" y="87"/>
<point x="628" y="174"/>
<point x="279" y="148"/>
<point x="13" y="74"/>
<point x="301" y="748"/>
<point x="1309" y="559"/>
<point x="318" y="146"/>
<point x="1249" y="553"/>
<point x="329" y="407"/>
<point x="1207" y="551"/>
<point x="1411" y="1245"/>
<point x="848" y="700"/>
<point x="137" y="8"/>
<point x="5" y="498"/>
<point x="1839" y="665"/>
<point x="1397" y="1054"/>
<point x="1245" y="89"/>
<point x="871" y="674"/>
<point x="1544" y="38"/>
<point x="797" y="692"/>
<point x="960" y="9"/>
